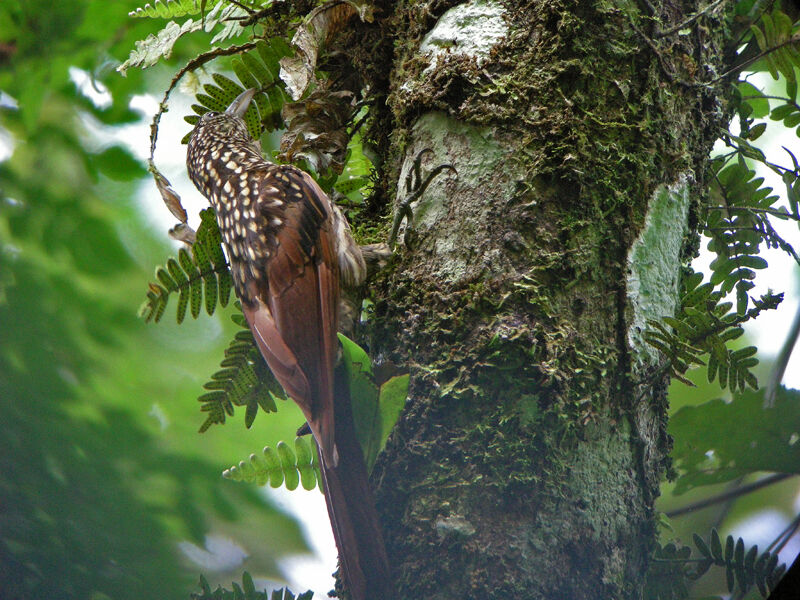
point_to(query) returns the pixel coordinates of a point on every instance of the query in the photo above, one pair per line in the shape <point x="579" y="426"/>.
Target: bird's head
<point x="216" y="132"/>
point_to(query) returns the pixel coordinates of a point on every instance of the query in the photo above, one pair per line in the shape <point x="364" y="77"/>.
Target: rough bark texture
<point x="529" y="456"/>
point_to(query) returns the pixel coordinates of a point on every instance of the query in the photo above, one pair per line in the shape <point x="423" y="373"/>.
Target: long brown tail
<point x="362" y="555"/>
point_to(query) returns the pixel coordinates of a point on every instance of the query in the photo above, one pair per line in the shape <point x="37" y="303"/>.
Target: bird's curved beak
<point x="239" y="106"/>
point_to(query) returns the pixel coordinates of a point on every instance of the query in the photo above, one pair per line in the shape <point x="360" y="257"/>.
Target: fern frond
<point x="773" y="34"/>
<point x="170" y="9"/>
<point x="247" y="591"/>
<point x="704" y="326"/>
<point x="743" y="568"/>
<point x="155" y="46"/>
<point x="193" y="276"/>
<point x="232" y="26"/>
<point x="281" y="466"/>
<point x="243" y="380"/>
<point x="259" y="68"/>
<point x="672" y="567"/>
<point x="734" y="223"/>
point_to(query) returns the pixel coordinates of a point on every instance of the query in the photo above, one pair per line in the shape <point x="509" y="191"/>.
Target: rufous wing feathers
<point x="296" y="319"/>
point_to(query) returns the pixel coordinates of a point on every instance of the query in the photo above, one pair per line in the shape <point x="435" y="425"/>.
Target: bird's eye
<point x="209" y="115"/>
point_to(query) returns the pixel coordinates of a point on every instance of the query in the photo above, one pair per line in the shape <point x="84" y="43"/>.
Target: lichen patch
<point x="471" y="29"/>
<point x="652" y="277"/>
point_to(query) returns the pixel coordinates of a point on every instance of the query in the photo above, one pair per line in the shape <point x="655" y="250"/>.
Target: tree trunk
<point x="530" y="453"/>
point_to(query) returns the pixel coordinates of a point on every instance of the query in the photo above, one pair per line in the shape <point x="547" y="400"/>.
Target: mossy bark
<point x="529" y="456"/>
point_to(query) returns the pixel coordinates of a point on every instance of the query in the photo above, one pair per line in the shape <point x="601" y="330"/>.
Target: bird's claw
<point x="415" y="187"/>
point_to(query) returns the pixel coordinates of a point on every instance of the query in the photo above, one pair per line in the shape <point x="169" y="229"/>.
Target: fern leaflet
<point x="703" y="326"/>
<point x="672" y="567"/>
<point x="773" y="34"/>
<point x="203" y="273"/>
<point x="259" y="68"/>
<point x="281" y="466"/>
<point x="246" y="591"/>
<point x="170" y="9"/>
<point x="244" y="380"/>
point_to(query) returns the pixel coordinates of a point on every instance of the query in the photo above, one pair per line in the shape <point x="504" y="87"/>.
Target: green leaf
<point x="716" y="545"/>
<point x="753" y="96"/>
<point x="375" y="410"/>
<point x="183" y="304"/>
<point x="704" y="430"/>
<point x="782" y="111"/>
<point x="167" y="9"/>
<point x="392" y="399"/>
<point x="364" y="395"/>
<point x="288" y="465"/>
<point x="791" y="89"/>
<point x="118" y="164"/>
<point x="756" y="131"/>
<point x="166" y="280"/>
<point x="701" y="545"/>
<point x="243" y="380"/>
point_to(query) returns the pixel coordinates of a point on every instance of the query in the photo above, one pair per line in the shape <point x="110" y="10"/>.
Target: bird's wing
<point x="281" y="359"/>
<point x="301" y="296"/>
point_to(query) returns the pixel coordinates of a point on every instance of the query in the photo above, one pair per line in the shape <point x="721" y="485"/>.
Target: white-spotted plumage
<point x="251" y="196"/>
<point x="289" y="246"/>
<point x="283" y="237"/>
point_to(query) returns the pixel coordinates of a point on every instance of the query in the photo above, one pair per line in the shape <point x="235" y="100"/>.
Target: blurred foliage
<point x="246" y="591"/>
<point x="101" y="470"/>
<point x="378" y="395"/>
<point x="744" y="570"/>
<point x="710" y="454"/>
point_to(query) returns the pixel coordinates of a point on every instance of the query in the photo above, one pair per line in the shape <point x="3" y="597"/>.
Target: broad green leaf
<point x="363" y="395"/>
<point x="756" y="131"/>
<point x="117" y="163"/>
<point x="375" y="411"/>
<point x="753" y="96"/>
<point x="706" y="453"/>
<point x="392" y="400"/>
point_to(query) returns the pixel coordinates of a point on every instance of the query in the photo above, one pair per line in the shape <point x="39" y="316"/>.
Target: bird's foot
<point x="376" y="257"/>
<point x="415" y="187"/>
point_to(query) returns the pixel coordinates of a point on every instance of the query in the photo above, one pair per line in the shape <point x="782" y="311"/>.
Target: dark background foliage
<point x="102" y="471"/>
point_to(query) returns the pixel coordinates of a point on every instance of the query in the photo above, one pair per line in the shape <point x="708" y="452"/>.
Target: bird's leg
<point x="415" y="187"/>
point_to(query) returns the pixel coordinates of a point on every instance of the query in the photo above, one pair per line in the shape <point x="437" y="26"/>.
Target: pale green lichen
<point x="479" y="161"/>
<point x="454" y="526"/>
<point x="472" y="28"/>
<point x="653" y="273"/>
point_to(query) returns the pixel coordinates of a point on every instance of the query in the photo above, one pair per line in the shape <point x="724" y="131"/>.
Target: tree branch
<point x="729" y="495"/>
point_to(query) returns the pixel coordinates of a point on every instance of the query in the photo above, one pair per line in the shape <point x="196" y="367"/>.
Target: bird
<point x="291" y="251"/>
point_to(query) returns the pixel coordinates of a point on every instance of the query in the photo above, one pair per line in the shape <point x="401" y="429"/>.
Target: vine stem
<point x="193" y="64"/>
<point x="792" y="40"/>
<point x="784" y="536"/>
<point x="171" y="198"/>
<point x="729" y="495"/>
<point x="690" y="20"/>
